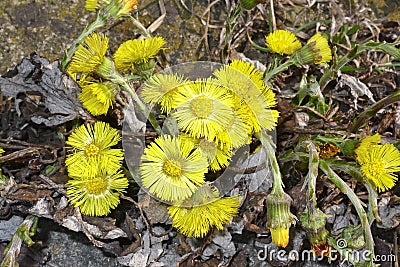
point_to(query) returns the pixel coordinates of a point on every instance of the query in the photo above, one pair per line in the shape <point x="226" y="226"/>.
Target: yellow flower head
<point x="256" y="77"/>
<point x="378" y="165"/>
<point x="115" y="8"/>
<point x="196" y="216"/>
<point x="162" y="89"/>
<point x="237" y="132"/>
<point x="1" y="151"/>
<point x="365" y="144"/>
<point x="251" y="96"/>
<point x="97" y="193"/>
<point x="172" y="169"/>
<point x="320" y="49"/>
<point x="135" y="51"/>
<point x="218" y="156"/>
<point x="279" y="217"/>
<point x="125" y="8"/>
<point x="90" y="55"/>
<point x="203" y="108"/>
<point x="98" y="97"/>
<point x="92" y="143"/>
<point x="282" y="42"/>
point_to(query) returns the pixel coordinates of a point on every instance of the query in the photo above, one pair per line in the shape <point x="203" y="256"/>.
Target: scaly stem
<point x="100" y="21"/>
<point x="269" y="74"/>
<point x="372" y="202"/>
<point x="269" y="148"/>
<point x="140" y="26"/>
<point x="230" y="25"/>
<point x="118" y="79"/>
<point x="22" y="234"/>
<point x="311" y="177"/>
<point x="345" y="189"/>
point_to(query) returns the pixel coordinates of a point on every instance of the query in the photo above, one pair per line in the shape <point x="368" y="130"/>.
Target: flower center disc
<point x="172" y="168"/>
<point x="373" y="169"/>
<point x="96" y="186"/>
<point x="92" y="150"/>
<point x="201" y="106"/>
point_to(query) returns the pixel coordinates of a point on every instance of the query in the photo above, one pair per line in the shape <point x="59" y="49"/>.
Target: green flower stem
<point x="372" y="110"/>
<point x="22" y="234"/>
<point x="140" y="26"/>
<point x="268" y="75"/>
<point x="118" y="79"/>
<point x="230" y="25"/>
<point x="311" y="178"/>
<point x="344" y="188"/>
<point x="100" y="21"/>
<point x="269" y="148"/>
<point x="372" y="202"/>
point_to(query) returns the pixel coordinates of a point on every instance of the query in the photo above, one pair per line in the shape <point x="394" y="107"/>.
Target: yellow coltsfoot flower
<point x="125" y="7"/>
<point x="218" y="156"/>
<point x="251" y="96"/>
<point x="379" y="164"/>
<point x="365" y="144"/>
<point x="162" y="89"/>
<point x="237" y="132"/>
<point x="321" y="47"/>
<point x="1" y="151"/>
<point x="97" y="98"/>
<point x="203" y="108"/>
<point x="89" y="55"/>
<point x="282" y="42"/>
<point x="255" y="76"/>
<point x="316" y="51"/>
<point x="172" y="169"/>
<point x="197" y="215"/>
<point x="135" y="52"/>
<point x="92" y="143"/>
<point x="114" y="8"/>
<point x="98" y="192"/>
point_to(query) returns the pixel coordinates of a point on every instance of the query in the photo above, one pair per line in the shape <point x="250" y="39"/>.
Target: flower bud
<point x="316" y="51"/>
<point x="106" y="68"/>
<point x="314" y="224"/>
<point x="279" y="217"/>
<point x="120" y="8"/>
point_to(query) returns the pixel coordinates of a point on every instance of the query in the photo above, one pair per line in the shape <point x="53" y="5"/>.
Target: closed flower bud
<point x="279" y="218"/>
<point x="316" y="51"/>
<point x="314" y="224"/>
<point x="106" y="68"/>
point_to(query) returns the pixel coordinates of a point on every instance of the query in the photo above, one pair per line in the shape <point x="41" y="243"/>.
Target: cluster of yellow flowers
<point x="95" y="73"/>
<point x="215" y="116"/>
<point x="94" y="168"/>
<point x="378" y="162"/>
<point x="316" y="50"/>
